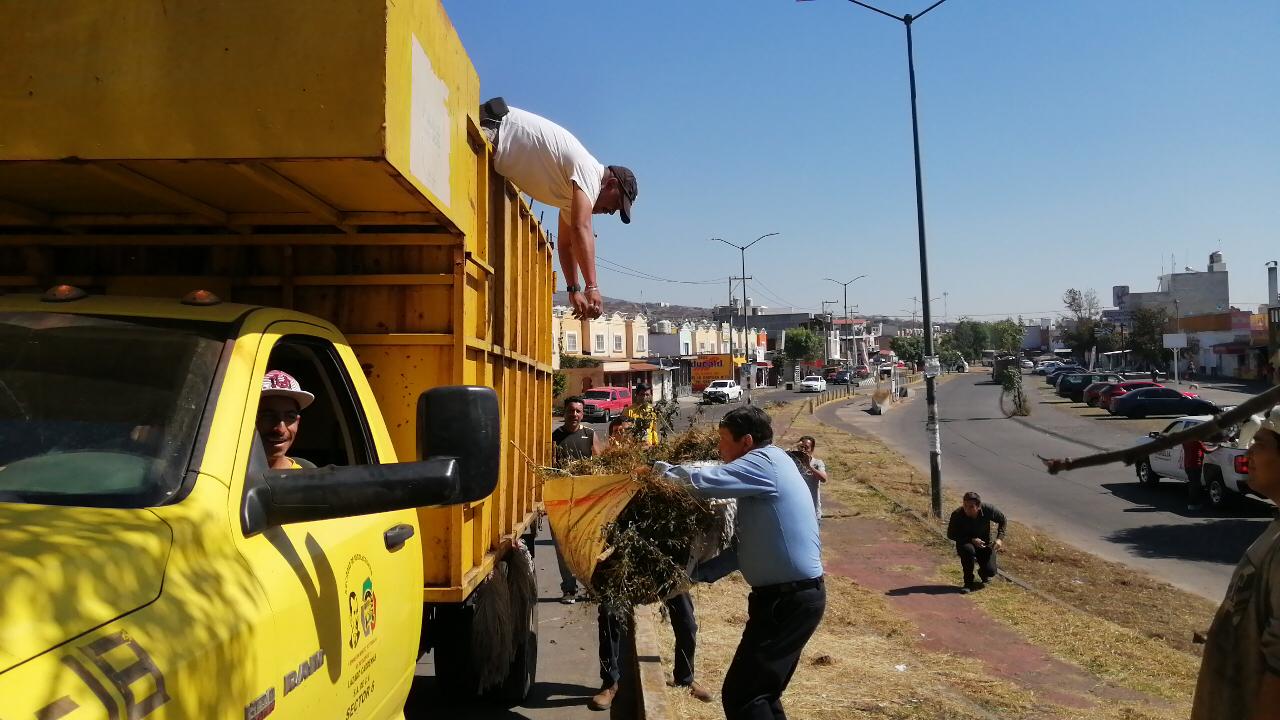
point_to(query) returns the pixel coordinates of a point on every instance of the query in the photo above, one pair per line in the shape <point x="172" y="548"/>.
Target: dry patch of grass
<point x="1126" y="628"/>
<point x="850" y="668"/>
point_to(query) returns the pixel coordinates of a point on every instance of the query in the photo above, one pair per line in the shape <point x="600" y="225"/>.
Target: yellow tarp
<point x="579" y="506"/>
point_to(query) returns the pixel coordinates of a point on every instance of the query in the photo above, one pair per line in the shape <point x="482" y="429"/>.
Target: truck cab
<point x="156" y="567"/>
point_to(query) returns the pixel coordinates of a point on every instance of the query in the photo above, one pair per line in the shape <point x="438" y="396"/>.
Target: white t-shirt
<point x="545" y="160"/>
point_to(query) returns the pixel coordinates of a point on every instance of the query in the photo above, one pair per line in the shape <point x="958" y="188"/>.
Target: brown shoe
<point x="699" y="692"/>
<point x="603" y="700"/>
<point x="696" y="690"/>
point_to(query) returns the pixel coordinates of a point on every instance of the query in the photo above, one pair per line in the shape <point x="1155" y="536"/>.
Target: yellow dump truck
<point x="192" y="194"/>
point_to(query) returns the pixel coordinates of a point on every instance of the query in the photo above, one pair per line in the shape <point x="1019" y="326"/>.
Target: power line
<point x="643" y="275"/>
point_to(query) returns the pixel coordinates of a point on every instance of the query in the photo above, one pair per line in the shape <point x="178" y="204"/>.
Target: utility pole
<point x="742" y="250"/>
<point x="730" y="307"/>
<point x="935" y="441"/>
<point x="744" y="309"/>
<point x="845" y="286"/>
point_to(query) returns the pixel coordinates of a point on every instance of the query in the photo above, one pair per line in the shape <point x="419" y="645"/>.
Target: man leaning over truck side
<point x="1240" y="671"/>
<point x="279" y="415"/>
<point x="553" y="167"/>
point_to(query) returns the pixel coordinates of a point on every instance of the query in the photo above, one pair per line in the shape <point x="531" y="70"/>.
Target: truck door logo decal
<point x="362" y="603"/>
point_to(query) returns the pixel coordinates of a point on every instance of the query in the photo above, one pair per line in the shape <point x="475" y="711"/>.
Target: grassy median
<point x="1130" y="632"/>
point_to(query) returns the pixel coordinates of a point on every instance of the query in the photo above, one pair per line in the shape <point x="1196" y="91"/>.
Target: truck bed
<point x="330" y="163"/>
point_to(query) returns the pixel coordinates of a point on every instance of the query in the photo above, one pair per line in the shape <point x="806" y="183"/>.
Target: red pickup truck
<point x="601" y="404"/>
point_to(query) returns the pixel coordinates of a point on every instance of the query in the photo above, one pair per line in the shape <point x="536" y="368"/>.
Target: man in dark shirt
<point x="573" y="441"/>
<point x="970" y="529"/>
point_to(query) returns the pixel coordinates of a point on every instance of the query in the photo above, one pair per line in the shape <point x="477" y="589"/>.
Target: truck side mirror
<point x="460" y="440"/>
<point x="461" y="421"/>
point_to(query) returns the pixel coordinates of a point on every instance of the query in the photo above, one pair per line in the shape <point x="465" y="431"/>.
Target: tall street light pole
<point x="742" y="251"/>
<point x="935" y="441"/>
<point x="845" y="286"/>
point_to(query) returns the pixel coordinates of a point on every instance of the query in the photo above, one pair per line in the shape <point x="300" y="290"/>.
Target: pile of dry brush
<point x="648" y="545"/>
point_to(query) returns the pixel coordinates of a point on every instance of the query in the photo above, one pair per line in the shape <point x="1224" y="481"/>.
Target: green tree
<point x="804" y="345"/>
<point x="970" y="338"/>
<point x="1006" y="336"/>
<point x="1146" y="339"/>
<point x="908" y="348"/>
<point x="1081" y="332"/>
<point x="559" y="381"/>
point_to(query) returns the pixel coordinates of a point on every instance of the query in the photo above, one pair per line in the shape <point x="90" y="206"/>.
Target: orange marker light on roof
<point x="63" y="293"/>
<point x="201" y="297"/>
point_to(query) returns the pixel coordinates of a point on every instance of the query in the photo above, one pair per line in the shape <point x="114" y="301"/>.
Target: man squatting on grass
<point x="970" y="529"/>
<point x="779" y="553"/>
<point x="1240" y="671"/>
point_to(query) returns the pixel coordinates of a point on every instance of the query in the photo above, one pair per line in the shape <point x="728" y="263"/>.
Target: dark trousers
<point x="1195" y="485"/>
<point x="779" y="624"/>
<point x="568" y="583"/>
<point x="684" y="625"/>
<point x="985" y="558"/>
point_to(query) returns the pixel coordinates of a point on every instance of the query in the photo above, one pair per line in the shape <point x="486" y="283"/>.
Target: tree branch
<point x="1256" y="404"/>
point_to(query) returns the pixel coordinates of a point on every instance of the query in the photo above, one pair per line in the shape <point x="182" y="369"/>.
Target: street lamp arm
<point x="882" y="12"/>
<point x="753" y="242"/>
<point x="726" y="242"/>
<point x="922" y="13"/>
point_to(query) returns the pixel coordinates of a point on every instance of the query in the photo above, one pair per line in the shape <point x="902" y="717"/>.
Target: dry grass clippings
<point x="648" y="545"/>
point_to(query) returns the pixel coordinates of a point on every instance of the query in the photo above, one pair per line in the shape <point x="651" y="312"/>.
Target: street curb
<point x="651" y="698"/>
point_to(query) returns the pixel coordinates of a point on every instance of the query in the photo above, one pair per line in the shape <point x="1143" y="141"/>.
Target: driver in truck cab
<point x="279" y="414"/>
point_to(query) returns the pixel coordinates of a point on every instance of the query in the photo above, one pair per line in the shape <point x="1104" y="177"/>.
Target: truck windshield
<point x="99" y="412"/>
<point x="596" y="395"/>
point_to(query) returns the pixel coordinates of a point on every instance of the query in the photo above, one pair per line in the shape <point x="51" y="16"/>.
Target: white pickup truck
<point x="1226" y="470"/>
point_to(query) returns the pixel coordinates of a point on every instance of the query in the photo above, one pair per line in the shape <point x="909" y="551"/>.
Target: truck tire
<point x="1146" y="475"/>
<point x="606" y="417"/>
<point x="523" y="579"/>
<point x="475" y="642"/>
<point x="1215" y="488"/>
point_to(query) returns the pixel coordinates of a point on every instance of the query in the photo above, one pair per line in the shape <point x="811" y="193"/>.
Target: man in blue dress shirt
<point x="779" y="554"/>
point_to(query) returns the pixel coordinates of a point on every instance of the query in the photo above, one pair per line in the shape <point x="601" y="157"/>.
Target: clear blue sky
<point x="1064" y="143"/>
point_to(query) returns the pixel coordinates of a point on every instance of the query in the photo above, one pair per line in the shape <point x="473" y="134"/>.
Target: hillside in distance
<point x="652" y="311"/>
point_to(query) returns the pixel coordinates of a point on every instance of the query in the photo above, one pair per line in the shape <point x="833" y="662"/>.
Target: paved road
<point x="1102" y="510"/>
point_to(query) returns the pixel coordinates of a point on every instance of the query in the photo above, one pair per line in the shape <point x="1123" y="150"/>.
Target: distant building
<point x="1179" y="294"/>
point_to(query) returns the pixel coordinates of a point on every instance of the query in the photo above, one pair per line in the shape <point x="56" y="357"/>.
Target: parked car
<point x="722" y="391"/>
<point x="1121" y="388"/>
<point x="601" y="404"/>
<point x="829" y="374"/>
<point x="841" y="378"/>
<point x="813" y="383"/>
<point x="1057" y="375"/>
<point x="1026" y="364"/>
<point x="1072" y="385"/>
<point x="1050" y="376"/>
<point x="1092" y="392"/>
<point x="1226" y="469"/>
<point x="1047" y="367"/>
<point x="1159" y="401"/>
<point x="862" y="371"/>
